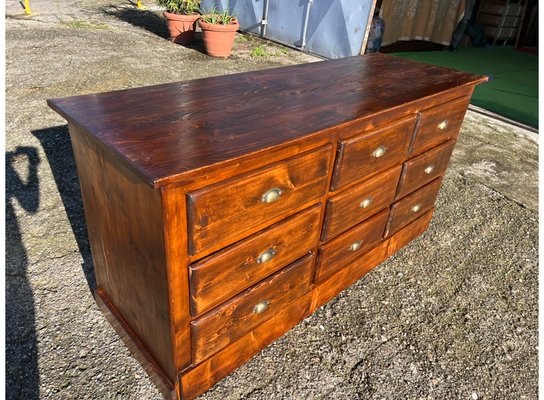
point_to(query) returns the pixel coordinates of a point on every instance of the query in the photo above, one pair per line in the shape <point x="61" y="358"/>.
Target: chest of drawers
<point x="223" y="211"/>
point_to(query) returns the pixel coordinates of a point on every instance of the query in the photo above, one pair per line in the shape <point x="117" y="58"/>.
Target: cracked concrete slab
<point x="452" y="315"/>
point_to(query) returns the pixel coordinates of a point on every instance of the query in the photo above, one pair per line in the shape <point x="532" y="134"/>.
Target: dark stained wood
<point x="199" y="379"/>
<point x="424" y="168"/>
<point x="358" y="158"/>
<point x="137" y="349"/>
<point x="412" y="206"/>
<point x="349" y="274"/>
<point x="230" y="271"/>
<point x="350" y="245"/>
<point x="230" y="321"/>
<point x="357" y="203"/>
<point x="175" y="234"/>
<point x="173" y="178"/>
<point x="430" y="133"/>
<point x="220" y="212"/>
<point x="171" y="130"/>
<point x="124" y="221"/>
<point x="409" y="233"/>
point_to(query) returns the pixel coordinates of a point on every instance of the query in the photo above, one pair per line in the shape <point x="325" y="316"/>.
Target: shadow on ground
<point x="58" y="149"/>
<point x="22" y="186"/>
<point x="145" y="19"/>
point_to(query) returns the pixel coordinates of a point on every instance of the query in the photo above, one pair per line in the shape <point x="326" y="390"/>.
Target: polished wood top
<point x="177" y="128"/>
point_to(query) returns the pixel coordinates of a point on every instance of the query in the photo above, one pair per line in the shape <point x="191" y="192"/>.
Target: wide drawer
<point x="439" y="124"/>
<point x="363" y="155"/>
<point x="412" y="206"/>
<point x="359" y="202"/>
<point x="350" y="245"/>
<point x="230" y="321"/>
<point x="424" y="168"/>
<point x="230" y="271"/>
<point x="219" y="214"/>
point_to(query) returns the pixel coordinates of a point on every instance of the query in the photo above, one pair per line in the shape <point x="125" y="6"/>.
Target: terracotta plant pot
<point x="181" y="27"/>
<point x="218" y="39"/>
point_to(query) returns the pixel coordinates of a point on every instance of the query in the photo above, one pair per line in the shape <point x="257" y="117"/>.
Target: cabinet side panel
<point x="124" y="221"/>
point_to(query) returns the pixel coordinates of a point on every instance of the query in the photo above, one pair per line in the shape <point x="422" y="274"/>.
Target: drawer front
<point x="219" y="214"/>
<point x="424" y="168"/>
<point x="412" y="206"/>
<point x="230" y="271"/>
<point x="366" y="154"/>
<point x="350" y="245"/>
<point x="359" y="202"/>
<point x="439" y="124"/>
<point x="230" y="321"/>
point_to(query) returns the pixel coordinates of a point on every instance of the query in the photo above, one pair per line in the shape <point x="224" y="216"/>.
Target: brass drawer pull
<point x="366" y="202"/>
<point x="271" y="196"/>
<point x="429" y="169"/>
<point x="443" y="125"/>
<point x="416" y="208"/>
<point x="356" y="245"/>
<point x="266" y="256"/>
<point x="261" y="307"/>
<point x="379" y="152"/>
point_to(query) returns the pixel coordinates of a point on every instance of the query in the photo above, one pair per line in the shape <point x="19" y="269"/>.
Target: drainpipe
<point x="264" y="21"/>
<point x="305" y="28"/>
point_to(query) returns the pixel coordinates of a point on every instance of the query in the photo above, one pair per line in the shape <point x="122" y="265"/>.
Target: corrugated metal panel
<point x="330" y="28"/>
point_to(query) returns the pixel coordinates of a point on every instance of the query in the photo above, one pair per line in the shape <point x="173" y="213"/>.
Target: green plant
<point x="216" y="17"/>
<point x="187" y="7"/>
<point x="258" y="51"/>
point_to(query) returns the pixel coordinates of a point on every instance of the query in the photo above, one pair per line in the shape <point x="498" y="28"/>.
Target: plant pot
<point x="181" y="27"/>
<point x="218" y="39"/>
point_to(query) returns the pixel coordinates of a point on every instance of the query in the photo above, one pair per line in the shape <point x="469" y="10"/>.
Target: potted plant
<point x="218" y="29"/>
<point x="181" y="17"/>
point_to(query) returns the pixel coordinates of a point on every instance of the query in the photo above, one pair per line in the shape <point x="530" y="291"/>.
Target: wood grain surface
<point x="220" y="212"/>
<point x="230" y="271"/>
<point x="230" y="321"/>
<point x="359" y="202"/>
<point x="170" y="130"/>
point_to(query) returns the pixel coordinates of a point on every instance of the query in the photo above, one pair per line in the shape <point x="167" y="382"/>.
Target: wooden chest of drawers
<point x="223" y="211"/>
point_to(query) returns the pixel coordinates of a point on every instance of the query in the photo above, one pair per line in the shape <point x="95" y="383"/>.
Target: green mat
<point x="512" y="90"/>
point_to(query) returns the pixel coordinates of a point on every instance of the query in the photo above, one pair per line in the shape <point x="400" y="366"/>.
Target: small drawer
<point x="219" y="214"/>
<point x="412" y="206"/>
<point x="350" y="245"/>
<point x="230" y="271"/>
<point x="363" y="155"/>
<point x="230" y="321"/>
<point x="424" y="168"/>
<point x="439" y="124"/>
<point x="359" y="202"/>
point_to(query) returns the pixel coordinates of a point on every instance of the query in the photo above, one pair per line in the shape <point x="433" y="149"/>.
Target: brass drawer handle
<point x="379" y="152"/>
<point x="271" y="195"/>
<point x="356" y="245"/>
<point x="443" y="125"/>
<point x="416" y="208"/>
<point x="266" y="256"/>
<point x="261" y="307"/>
<point x="429" y="169"/>
<point x="366" y="202"/>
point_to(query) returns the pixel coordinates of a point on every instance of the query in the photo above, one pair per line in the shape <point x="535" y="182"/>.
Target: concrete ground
<point x="452" y="316"/>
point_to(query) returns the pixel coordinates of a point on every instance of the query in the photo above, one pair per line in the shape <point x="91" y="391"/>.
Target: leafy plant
<point x="187" y="7"/>
<point x="259" y="51"/>
<point x="216" y="17"/>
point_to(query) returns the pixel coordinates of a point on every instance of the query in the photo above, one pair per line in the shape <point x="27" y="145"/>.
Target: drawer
<point x="219" y="214"/>
<point x="424" y="168"/>
<point x="230" y="321"/>
<point x="439" y="124"/>
<point x="363" y="155"/>
<point x="359" y="202"/>
<point x="230" y="271"/>
<point x="350" y="245"/>
<point x="412" y="206"/>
